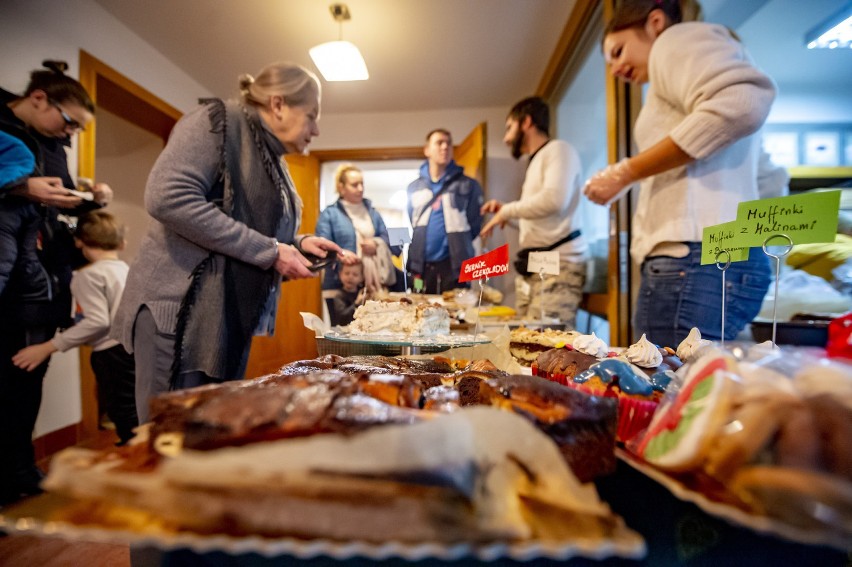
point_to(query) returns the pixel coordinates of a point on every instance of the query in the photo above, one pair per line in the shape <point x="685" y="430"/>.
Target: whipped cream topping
<point x="687" y="349"/>
<point x="397" y="317"/>
<point x="591" y="345"/>
<point x="644" y="354"/>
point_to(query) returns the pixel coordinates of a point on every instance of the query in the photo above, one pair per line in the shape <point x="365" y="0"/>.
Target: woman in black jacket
<point x="35" y="299"/>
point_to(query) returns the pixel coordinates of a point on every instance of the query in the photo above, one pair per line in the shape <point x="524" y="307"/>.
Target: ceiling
<point x="434" y="54"/>
<point x="421" y="54"/>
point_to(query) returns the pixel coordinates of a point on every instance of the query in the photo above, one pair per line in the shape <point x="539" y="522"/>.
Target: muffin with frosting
<point x="638" y="393"/>
<point x="562" y="364"/>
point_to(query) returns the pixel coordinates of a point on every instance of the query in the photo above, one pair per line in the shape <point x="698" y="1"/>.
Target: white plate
<point x="732" y="514"/>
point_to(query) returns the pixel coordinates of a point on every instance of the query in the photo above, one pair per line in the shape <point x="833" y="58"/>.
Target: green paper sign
<point x="716" y="240"/>
<point x="807" y="218"/>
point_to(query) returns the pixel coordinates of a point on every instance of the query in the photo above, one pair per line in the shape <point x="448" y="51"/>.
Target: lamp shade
<point x="339" y="61"/>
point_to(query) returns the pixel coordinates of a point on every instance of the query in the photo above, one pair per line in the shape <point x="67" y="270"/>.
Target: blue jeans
<point x="677" y="294"/>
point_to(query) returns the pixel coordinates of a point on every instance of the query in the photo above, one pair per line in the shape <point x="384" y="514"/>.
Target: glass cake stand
<point x="409" y="345"/>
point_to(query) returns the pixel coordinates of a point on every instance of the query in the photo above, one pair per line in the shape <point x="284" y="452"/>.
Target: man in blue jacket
<point x="443" y="205"/>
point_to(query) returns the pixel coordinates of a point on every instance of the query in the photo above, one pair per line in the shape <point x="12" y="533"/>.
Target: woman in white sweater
<point x="699" y="142"/>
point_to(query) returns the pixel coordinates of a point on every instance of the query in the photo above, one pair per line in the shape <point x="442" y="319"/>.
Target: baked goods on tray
<point x="352" y="456"/>
<point x="769" y="433"/>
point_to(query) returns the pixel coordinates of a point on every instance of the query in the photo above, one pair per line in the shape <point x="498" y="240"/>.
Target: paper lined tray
<point x="732" y="514"/>
<point x="34" y="517"/>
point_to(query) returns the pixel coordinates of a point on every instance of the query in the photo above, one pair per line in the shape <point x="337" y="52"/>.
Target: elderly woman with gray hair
<point x="224" y="233"/>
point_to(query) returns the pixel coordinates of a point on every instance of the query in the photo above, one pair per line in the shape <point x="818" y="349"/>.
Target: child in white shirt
<point x="97" y="290"/>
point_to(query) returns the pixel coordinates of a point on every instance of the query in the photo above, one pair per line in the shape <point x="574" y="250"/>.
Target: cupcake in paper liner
<point x="638" y="394"/>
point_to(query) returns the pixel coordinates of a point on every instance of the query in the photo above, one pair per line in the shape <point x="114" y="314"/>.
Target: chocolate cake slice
<point x="583" y="426"/>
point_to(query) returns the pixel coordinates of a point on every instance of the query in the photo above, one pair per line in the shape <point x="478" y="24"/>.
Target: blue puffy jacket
<point x="336" y="225"/>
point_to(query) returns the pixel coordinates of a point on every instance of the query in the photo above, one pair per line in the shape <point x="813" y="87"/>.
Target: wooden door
<point x="292" y="341"/>
<point x="471" y="153"/>
<point x="116" y="93"/>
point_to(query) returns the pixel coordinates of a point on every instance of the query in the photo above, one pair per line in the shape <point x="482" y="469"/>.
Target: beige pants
<point x="559" y="296"/>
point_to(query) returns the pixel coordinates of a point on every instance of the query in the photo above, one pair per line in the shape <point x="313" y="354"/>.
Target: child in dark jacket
<point x="350" y="296"/>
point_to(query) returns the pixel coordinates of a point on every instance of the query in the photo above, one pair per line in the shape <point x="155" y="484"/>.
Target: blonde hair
<point x="297" y="85"/>
<point x="99" y="229"/>
<point x="340" y="174"/>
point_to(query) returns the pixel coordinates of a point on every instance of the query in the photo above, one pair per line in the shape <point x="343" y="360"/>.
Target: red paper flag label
<point x="488" y="265"/>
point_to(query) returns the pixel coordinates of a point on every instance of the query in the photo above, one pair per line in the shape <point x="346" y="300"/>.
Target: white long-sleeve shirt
<point x="550" y="199"/>
<point x="706" y="94"/>
<point x="97" y="289"/>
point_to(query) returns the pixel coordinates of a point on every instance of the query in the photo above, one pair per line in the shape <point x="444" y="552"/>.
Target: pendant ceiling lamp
<point x="339" y="60"/>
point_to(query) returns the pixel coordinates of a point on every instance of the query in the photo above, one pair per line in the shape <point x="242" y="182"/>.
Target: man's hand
<point x="30" y="357"/>
<point x="610" y="183"/>
<point x="491" y="225"/>
<point x="47" y="191"/>
<point x="492" y="206"/>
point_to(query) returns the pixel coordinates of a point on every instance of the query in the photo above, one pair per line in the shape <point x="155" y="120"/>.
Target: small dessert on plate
<point x="526" y="344"/>
<point x="562" y="364"/>
<point x="402" y="317"/>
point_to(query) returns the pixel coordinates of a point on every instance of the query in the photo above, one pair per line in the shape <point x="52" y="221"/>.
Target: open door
<point x="128" y="112"/>
<point x="292" y="341"/>
<point x="471" y="153"/>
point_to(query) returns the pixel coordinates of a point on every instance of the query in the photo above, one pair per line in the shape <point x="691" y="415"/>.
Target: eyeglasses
<point x="70" y="123"/>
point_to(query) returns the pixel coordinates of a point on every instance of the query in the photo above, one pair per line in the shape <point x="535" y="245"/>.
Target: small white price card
<point x="544" y="263"/>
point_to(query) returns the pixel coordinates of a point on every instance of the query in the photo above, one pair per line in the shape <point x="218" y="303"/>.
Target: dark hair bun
<point x="56" y="66"/>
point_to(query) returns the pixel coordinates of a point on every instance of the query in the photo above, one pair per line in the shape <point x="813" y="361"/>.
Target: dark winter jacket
<point x="461" y="201"/>
<point x="46" y="298"/>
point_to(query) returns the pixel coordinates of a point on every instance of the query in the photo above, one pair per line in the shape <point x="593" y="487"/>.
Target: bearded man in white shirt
<point x="547" y="215"/>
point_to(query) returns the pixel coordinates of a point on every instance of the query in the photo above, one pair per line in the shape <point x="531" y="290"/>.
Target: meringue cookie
<point x="591" y="345"/>
<point x="693" y="343"/>
<point x="644" y="354"/>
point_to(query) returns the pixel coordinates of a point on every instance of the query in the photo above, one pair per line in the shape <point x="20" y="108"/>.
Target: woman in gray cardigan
<point x="225" y="217"/>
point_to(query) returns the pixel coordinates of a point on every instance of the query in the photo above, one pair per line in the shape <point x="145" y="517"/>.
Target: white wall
<point x="811" y="105"/>
<point x="125" y="154"/>
<point x="34" y="30"/>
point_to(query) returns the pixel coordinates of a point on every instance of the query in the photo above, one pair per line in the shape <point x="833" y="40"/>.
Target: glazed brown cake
<point x="290" y="404"/>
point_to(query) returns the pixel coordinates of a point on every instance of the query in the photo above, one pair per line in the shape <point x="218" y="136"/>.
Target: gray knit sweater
<point x="186" y="227"/>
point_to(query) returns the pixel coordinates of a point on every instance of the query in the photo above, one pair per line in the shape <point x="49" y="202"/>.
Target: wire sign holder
<point x="789" y="246"/>
<point x="723" y="268"/>
<point x="401" y="235"/>
<point x="479" y="306"/>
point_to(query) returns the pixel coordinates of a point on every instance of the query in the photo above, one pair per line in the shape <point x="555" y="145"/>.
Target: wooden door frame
<point x="143" y="108"/>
